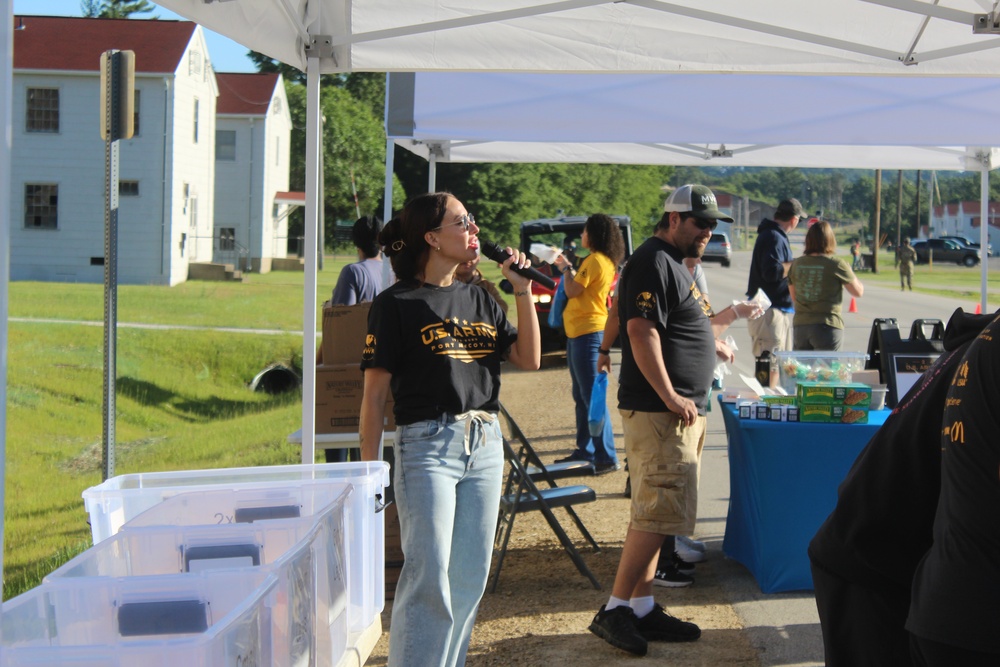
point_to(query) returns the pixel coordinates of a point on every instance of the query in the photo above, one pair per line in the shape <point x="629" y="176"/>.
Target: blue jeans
<point x="448" y="502"/>
<point x="581" y="356"/>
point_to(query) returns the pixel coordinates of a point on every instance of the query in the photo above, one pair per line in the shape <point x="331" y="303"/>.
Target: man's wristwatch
<point x="603" y="351"/>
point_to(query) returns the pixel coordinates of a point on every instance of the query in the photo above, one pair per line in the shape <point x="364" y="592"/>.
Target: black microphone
<point x="498" y="254"/>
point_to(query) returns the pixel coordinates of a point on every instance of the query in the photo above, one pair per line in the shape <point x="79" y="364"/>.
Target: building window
<point x="128" y="188"/>
<point x="135" y="114"/>
<point x="196" y="120"/>
<point x="43" y="110"/>
<point x="41" y="206"/>
<point x="276" y="106"/>
<point x="227" y="238"/>
<point x="225" y="145"/>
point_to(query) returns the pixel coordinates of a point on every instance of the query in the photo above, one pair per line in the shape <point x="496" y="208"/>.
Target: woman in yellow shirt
<point x="586" y="312"/>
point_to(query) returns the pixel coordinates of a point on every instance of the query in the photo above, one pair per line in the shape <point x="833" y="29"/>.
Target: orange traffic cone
<point x="853" y="308"/>
<point x="979" y="309"/>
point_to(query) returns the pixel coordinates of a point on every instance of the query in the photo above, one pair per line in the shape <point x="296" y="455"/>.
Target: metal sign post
<point x="117" y="94"/>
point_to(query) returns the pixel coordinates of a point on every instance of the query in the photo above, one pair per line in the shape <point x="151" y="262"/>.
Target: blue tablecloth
<point x="783" y="480"/>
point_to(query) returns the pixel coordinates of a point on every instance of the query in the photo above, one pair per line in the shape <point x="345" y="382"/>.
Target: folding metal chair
<point x="522" y="495"/>
<point x="537" y="470"/>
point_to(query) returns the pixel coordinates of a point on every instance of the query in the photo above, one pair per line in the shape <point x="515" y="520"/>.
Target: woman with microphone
<point x="437" y="344"/>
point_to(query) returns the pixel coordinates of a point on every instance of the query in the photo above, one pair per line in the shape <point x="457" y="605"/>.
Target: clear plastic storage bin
<point x="193" y="620"/>
<point x="306" y="554"/>
<point x="123" y="498"/>
<point x="798" y="366"/>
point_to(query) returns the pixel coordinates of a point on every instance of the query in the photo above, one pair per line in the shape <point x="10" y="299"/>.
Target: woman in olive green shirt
<point x="816" y="282"/>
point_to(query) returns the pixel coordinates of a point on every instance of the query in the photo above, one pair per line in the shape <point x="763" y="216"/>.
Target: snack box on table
<point x="828" y="413"/>
<point x="851" y="393"/>
<point x="193" y="620"/>
<point x="809" y="366"/>
<point x="120" y="499"/>
<point x="305" y="550"/>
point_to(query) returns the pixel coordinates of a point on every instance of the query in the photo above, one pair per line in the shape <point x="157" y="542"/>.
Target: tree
<point x="114" y="9"/>
<point x="353" y="144"/>
<point x="90" y="8"/>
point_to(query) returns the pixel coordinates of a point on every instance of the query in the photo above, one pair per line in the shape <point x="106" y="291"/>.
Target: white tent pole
<point x="984" y="228"/>
<point x="6" y="88"/>
<point x="313" y="201"/>
<point x="432" y="170"/>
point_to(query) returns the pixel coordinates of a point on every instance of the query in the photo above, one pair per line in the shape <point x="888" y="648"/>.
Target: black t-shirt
<point x="443" y="346"/>
<point x="881" y="526"/>
<point x="956" y="589"/>
<point x="656" y="286"/>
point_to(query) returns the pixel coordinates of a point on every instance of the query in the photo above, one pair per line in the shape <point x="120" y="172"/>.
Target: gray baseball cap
<point x="697" y="200"/>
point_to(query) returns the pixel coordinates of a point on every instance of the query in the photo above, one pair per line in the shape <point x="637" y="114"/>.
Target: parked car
<point x="966" y="241"/>
<point x="718" y="249"/>
<point x="946" y="250"/>
<point x="564" y="234"/>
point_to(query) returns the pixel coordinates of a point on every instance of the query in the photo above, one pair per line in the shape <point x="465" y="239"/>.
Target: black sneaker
<point x="659" y="626"/>
<point x="617" y="627"/>
<point x="605" y="468"/>
<point x="673" y="560"/>
<point x="683" y="566"/>
<point x="669" y="576"/>
<point x="572" y="458"/>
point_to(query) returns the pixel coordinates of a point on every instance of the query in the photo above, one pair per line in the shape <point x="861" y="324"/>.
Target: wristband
<point x="568" y="268"/>
<point x="603" y="351"/>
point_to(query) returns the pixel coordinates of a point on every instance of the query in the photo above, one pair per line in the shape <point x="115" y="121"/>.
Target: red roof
<point x="62" y="43"/>
<point x="245" y="94"/>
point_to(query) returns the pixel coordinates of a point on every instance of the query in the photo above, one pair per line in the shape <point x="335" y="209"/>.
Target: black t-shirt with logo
<point x="956" y="589"/>
<point x="442" y="345"/>
<point x="656" y="286"/>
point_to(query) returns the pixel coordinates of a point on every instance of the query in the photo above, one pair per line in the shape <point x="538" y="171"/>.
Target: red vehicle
<point x="563" y="234"/>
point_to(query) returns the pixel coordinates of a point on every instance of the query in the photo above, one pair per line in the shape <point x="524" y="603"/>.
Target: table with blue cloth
<point x="783" y="479"/>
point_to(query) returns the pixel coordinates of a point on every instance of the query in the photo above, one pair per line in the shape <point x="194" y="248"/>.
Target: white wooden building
<point x="964" y="219"/>
<point x="252" y="138"/>
<point x="167" y="170"/>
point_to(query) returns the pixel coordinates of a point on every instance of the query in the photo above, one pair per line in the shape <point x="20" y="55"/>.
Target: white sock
<point x="614" y="602"/>
<point x="642" y="606"/>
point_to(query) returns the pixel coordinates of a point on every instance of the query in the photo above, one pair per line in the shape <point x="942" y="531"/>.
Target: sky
<point x="226" y="55"/>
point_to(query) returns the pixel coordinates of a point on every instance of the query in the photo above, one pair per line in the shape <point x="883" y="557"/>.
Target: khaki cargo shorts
<point x="664" y="464"/>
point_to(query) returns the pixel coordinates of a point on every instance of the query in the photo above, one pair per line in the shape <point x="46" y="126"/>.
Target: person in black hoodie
<point x="865" y="554"/>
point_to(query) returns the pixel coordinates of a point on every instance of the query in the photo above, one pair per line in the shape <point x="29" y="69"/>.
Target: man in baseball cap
<point x="669" y="353"/>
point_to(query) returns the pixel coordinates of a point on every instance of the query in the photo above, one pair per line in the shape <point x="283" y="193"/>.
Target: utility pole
<point x="878" y="217"/>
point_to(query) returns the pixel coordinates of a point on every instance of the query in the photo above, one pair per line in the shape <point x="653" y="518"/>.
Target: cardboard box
<point x="339" y="390"/>
<point x="850" y="394"/>
<point x="344" y="331"/>
<point x="826" y="413"/>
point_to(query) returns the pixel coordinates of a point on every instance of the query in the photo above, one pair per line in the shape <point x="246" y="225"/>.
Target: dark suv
<point x="946" y="250"/>
<point x="562" y="233"/>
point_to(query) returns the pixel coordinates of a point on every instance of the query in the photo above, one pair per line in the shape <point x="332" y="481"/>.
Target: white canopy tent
<point x="714" y="119"/>
<point x="793" y="120"/>
<point x="837" y="37"/>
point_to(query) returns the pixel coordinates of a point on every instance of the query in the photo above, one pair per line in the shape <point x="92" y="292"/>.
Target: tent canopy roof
<point x="903" y="37"/>
<point x="835" y="121"/>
